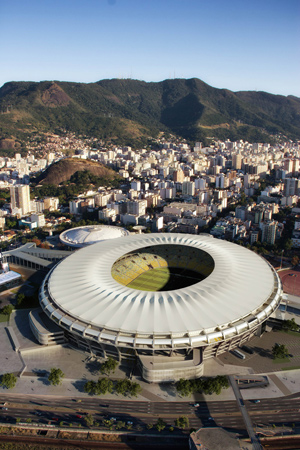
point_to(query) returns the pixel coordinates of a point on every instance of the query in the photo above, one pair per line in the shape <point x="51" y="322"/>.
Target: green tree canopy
<point x="8" y="380"/>
<point x="7" y="310"/>
<point x="184" y="387"/>
<point x="90" y="387"/>
<point x="290" y="325"/>
<point x="109" y="366"/>
<point x="103" y="386"/>
<point x="280" y="351"/>
<point x="160" y="425"/>
<point x="89" y="420"/>
<point x="55" y="376"/>
<point x="207" y="385"/>
<point x="182" y="422"/>
<point x="135" y="389"/>
<point x="122" y="386"/>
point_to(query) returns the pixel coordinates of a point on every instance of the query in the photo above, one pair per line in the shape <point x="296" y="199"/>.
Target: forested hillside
<point x="127" y="111"/>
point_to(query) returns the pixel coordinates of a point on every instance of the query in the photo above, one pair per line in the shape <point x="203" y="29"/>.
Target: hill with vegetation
<point x="128" y="112"/>
<point x="69" y="177"/>
<point x="67" y="170"/>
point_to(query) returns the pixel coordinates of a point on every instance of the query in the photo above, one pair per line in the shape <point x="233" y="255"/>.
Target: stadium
<point x="170" y="301"/>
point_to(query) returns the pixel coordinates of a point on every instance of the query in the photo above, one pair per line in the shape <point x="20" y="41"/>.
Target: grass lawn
<point x="290" y="368"/>
<point x="152" y="280"/>
<point x="280" y="360"/>
<point x="4" y="317"/>
<point x="291" y="333"/>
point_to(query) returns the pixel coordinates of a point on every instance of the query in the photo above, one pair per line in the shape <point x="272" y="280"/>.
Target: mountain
<point x="64" y="169"/>
<point x="131" y="111"/>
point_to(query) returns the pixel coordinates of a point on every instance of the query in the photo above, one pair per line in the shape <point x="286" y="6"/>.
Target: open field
<point x="165" y="279"/>
<point x="151" y="280"/>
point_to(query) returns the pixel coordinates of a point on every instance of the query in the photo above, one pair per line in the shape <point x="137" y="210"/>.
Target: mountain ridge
<point x="127" y="111"/>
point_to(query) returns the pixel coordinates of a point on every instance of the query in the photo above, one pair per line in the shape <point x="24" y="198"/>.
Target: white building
<point x="39" y="219"/>
<point x="20" y="198"/>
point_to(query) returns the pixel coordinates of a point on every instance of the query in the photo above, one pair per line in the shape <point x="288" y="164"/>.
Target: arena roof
<point x="81" y="291"/>
<point x="90" y="234"/>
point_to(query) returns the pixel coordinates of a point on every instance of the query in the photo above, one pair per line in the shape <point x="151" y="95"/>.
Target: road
<point x="226" y="414"/>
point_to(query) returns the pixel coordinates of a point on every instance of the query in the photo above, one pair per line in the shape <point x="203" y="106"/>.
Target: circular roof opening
<point x="162" y="268"/>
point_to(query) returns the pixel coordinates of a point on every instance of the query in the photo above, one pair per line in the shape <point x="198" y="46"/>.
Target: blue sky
<point x="238" y="45"/>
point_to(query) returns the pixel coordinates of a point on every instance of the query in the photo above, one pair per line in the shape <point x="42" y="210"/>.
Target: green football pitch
<point x="152" y="280"/>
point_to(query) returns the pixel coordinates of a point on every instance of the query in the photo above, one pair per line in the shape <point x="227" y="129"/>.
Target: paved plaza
<point x="262" y="361"/>
<point x="33" y="362"/>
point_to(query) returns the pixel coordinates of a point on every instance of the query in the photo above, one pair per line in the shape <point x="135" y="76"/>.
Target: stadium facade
<point x="169" y="300"/>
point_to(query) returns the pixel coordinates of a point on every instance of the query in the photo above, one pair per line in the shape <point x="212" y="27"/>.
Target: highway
<point x="226" y="414"/>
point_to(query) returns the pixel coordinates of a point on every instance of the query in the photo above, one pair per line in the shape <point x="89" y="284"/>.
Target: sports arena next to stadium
<point x="169" y="300"/>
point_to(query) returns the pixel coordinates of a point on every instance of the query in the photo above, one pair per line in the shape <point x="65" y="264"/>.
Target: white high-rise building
<point x="20" y="198"/>
<point x="188" y="188"/>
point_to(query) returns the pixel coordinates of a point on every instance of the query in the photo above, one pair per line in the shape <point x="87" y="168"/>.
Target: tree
<point x="208" y="385"/>
<point x="135" y="389"/>
<point x="103" y="386"/>
<point x="295" y="260"/>
<point x="122" y="386"/>
<point x="20" y="298"/>
<point x="160" y="425"/>
<point x="45" y="245"/>
<point x="89" y="420"/>
<point x="7" y="310"/>
<point x="182" y="422"/>
<point x="36" y="241"/>
<point x="288" y="244"/>
<point x="280" y="351"/>
<point x="8" y="380"/>
<point x="109" y="366"/>
<point x="290" y="325"/>
<point x="90" y="387"/>
<point x="120" y="424"/>
<point x="55" y="376"/>
<point x="184" y="387"/>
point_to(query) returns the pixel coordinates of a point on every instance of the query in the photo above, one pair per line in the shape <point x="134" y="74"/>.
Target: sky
<point x="237" y="45"/>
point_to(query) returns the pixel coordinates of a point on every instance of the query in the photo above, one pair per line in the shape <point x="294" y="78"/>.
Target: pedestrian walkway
<point x="280" y="384"/>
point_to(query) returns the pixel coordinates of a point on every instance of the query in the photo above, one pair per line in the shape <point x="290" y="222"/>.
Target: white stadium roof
<point x="90" y="234"/>
<point x="241" y="288"/>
